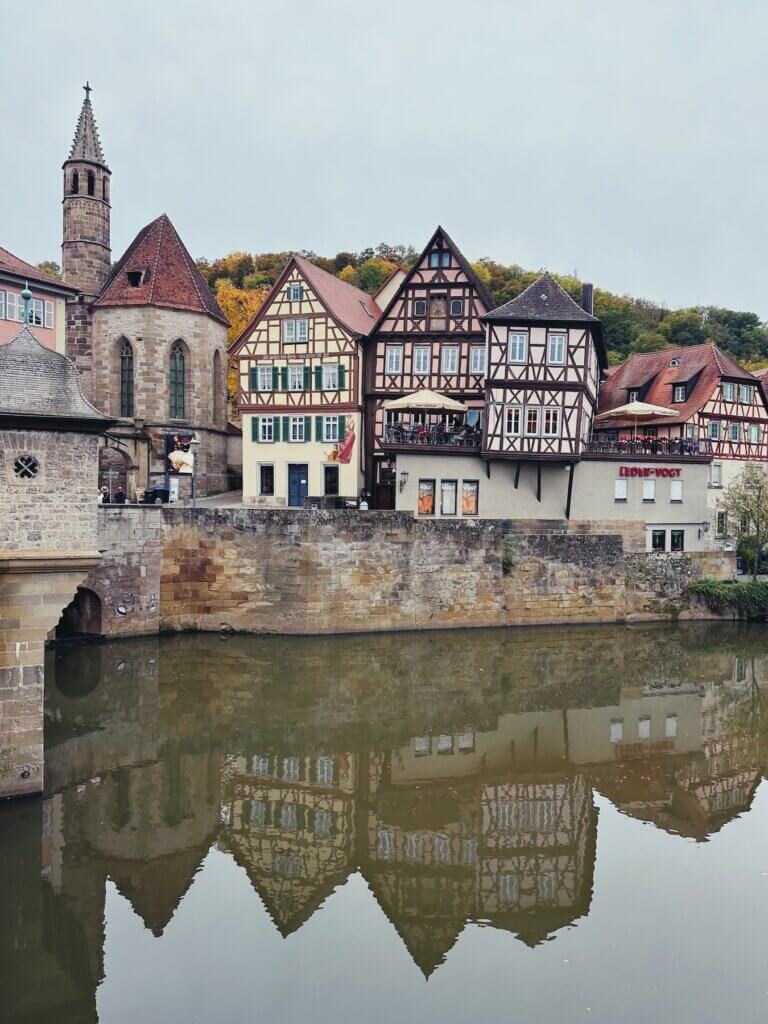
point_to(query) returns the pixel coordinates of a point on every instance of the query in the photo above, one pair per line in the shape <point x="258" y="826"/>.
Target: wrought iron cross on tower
<point x="88" y="90"/>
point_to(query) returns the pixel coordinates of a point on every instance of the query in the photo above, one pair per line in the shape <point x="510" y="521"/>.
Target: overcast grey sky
<point x="626" y="140"/>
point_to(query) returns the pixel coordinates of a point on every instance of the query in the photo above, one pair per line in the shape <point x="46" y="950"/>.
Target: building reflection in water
<point x="455" y="772"/>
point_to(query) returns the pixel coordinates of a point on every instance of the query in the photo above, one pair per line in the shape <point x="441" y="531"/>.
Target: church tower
<point x="85" y="248"/>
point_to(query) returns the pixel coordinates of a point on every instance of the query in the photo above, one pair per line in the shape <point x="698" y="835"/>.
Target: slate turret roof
<point x="86" y="144"/>
<point x="157" y="270"/>
<point x="37" y="382"/>
<point x="545" y="299"/>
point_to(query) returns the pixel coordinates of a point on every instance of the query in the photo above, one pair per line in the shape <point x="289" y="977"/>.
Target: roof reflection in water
<point x="455" y="772"/>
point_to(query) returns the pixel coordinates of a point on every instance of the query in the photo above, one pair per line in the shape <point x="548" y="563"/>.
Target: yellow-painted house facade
<point x="300" y="362"/>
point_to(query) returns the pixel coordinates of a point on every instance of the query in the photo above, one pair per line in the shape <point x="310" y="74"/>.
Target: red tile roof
<point x="704" y="365"/>
<point x="10" y="264"/>
<point x="356" y="309"/>
<point x="171" y="278"/>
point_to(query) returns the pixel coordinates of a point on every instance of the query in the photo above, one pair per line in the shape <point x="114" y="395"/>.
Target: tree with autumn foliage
<point x="239" y="306"/>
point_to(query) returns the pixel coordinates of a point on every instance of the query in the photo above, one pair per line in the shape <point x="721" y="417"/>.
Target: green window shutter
<point x="276" y="428"/>
<point x="342" y="377"/>
<point x="306" y="378"/>
<point x="318" y="428"/>
<point x="318" y="378"/>
<point x="286" y="428"/>
<point x="307" y="428"/>
<point x="342" y="427"/>
<point x="284" y="378"/>
<point x="255" y="428"/>
<point x="275" y="379"/>
<point x="254" y="379"/>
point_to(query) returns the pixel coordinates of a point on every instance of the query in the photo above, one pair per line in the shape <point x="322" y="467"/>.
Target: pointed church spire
<point x="86" y="144"/>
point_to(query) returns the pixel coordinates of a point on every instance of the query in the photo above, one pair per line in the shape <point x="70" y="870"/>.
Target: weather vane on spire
<point x="87" y="88"/>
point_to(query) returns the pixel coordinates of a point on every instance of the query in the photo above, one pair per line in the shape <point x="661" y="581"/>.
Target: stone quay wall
<point x="313" y="572"/>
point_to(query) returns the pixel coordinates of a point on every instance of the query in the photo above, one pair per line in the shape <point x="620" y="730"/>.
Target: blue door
<point x="298" y="480"/>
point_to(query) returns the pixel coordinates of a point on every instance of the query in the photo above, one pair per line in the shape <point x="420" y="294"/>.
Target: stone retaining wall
<point x="279" y="571"/>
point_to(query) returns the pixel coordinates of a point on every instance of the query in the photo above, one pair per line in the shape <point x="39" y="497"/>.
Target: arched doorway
<point x="113" y="469"/>
<point x="82" y="617"/>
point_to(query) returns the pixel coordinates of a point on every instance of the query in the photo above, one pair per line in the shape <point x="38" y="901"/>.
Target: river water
<point x="564" y="825"/>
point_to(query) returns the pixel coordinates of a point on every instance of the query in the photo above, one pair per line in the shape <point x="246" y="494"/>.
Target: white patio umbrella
<point x="637" y="411"/>
<point x="424" y="401"/>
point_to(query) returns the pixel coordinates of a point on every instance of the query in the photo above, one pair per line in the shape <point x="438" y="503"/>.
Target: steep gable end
<point x="543" y="300"/>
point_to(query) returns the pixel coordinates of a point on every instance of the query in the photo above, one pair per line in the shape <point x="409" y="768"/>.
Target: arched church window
<point x="91" y="183"/>
<point x="126" y="379"/>
<point x="75" y="183"/>
<point x="218" y="390"/>
<point x="177" y="382"/>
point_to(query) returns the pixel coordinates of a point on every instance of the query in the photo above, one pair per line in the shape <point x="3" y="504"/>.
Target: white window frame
<point x="690" y="430"/>
<point x="734" y="432"/>
<point x="449" y="353"/>
<point x="714" y="430"/>
<point x="324" y="770"/>
<point x="419" y="302"/>
<point x="477" y="365"/>
<point x="49" y="315"/>
<point x="2" y="304"/>
<point x="557" y="336"/>
<point x="296" y="434"/>
<point x="266" y="429"/>
<point x="715" y="474"/>
<point x="676" y="491"/>
<point x="633" y="396"/>
<point x="550" y="410"/>
<point x="678" y="393"/>
<point x="331" y="428"/>
<point x="728" y="390"/>
<point x="295" y="291"/>
<point x="746" y="394"/>
<point x="528" y="410"/>
<point x="295" y="373"/>
<point x="296" y="330"/>
<point x="459" y="303"/>
<point x="755" y="432"/>
<point x="418" y="352"/>
<point x="517" y="338"/>
<point x="519" y="409"/>
<point x="385" y="844"/>
<point x="620" y="489"/>
<point x="649" y="490"/>
<point x="330" y="376"/>
<point x="13" y="306"/>
<point x="36" y="313"/>
<point x="264" y="373"/>
<point x="391" y="351"/>
<point x="290" y="769"/>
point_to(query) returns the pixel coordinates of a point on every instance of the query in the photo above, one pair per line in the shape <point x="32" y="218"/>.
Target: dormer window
<point x="674" y="362"/>
<point x="295" y="292"/>
<point x="678" y="393"/>
<point x="439" y="258"/>
<point x="728" y="389"/>
<point x="746" y="394"/>
<point x="633" y="396"/>
<point x="136" y="278"/>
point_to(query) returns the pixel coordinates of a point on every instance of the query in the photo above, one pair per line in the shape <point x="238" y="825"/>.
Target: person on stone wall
<point x="120" y="496"/>
<point x="103" y="496"/>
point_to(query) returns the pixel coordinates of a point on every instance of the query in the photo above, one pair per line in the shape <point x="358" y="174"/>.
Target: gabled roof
<point x="704" y="365"/>
<point x="37" y="382"/>
<point x="86" y="144"/>
<point x="170" y="279"/>
<point x="10" y="264"/>
<point x="544" y="300"/>
<point x="472" y="277"/>
<point x="355" y="310"/>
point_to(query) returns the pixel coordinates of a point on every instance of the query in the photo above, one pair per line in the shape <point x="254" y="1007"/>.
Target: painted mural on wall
<point x="342" y="450"/>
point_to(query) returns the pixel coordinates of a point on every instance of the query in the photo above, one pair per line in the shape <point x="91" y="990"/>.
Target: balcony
<point x="669" y="448"/>
<point x="433" y="437"/>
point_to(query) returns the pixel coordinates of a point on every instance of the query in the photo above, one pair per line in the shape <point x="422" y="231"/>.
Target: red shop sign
<point x="666" y="471"/>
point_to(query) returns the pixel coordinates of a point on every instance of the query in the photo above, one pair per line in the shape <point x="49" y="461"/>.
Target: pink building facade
<point x="48" y="306"/>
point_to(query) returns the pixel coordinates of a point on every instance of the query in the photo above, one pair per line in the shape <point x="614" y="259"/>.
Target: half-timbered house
<point x="429" y="337"/>
<point x="720" y="409"/>
<point x="300" y="363"/>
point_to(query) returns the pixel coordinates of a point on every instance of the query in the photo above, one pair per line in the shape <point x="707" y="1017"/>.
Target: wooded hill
<point x="241" y="280"/>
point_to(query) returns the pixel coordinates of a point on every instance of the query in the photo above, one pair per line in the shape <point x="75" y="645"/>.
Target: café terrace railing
<point x="680" y="447"/>
<point x="437" y="435"/>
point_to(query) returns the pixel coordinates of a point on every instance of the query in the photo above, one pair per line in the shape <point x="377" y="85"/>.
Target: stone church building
<point x="146" y="334"/>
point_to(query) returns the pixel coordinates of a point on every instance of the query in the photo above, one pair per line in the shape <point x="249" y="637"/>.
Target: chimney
<point x="586" y="297"/>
